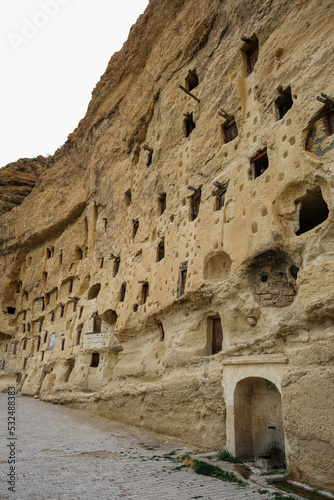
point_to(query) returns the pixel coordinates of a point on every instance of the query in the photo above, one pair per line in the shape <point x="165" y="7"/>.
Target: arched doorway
<point x="258" y="420"/>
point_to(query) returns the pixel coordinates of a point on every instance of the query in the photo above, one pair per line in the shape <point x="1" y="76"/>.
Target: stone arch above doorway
<point x="258" y="419"/>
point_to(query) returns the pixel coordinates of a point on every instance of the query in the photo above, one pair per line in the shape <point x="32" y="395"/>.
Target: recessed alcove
<point x="284" y="102"/>
<point x="191" y="81"/>
<point x="217" y="266"/>
<point x="110" y="317"/>
<point x="189" y="124"/>
<point x="313" y="210"/>
<point x="94" y="291"/>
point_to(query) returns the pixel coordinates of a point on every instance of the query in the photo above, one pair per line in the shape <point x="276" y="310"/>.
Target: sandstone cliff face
<point x="173" y="266"/>
<point x="17" y="180"/>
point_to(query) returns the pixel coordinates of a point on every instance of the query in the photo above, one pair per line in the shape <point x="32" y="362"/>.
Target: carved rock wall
<point x="95" y="314"/>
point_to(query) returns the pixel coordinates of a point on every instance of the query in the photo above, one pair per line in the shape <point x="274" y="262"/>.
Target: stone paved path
<point x="68" y="454"/>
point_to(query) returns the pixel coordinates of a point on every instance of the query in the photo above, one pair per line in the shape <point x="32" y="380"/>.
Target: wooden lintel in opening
<point x="326" y="98"/>
<point x="246" y="40"/>
<point x="221" y="187"/>
<point x="147" y="148"/>
<point x="189" y="93"/>
<point x="227" y="116"/>
<point x="263" y="153"/>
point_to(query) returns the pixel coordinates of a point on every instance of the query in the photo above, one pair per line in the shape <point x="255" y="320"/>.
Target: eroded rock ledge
<point x="17" y="180"/>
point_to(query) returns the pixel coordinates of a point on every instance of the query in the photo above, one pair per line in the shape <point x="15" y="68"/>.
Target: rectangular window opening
<point x="161" y="250"/>
<point x="144" y="293"/>
<point x="220" y="201"/>
<point x="195" y="201"/>
<point x="330" y="121"/>
<point x="217" y="335"/>
<point x="162" y="203"/>
<point x="95" y="360"/>
<point x="123" y="292"/>
<point x="182" y="279"/>
<point x="252" y="52"/>
<point x="49" y="252"/>
<point x="230" y="131"/>
<point x="259" y="164"/>
<point x="284" y="102"/>
<point x="189" y="124"/>
<point x="78" y="339"/>
<point x="135" y="227"/>
<point x="191" y="81"/>
<point x="97" y="328"/>
<point x="127" y="198"/>
<point x="116" y="266"/>
<point x="220" y="194"/>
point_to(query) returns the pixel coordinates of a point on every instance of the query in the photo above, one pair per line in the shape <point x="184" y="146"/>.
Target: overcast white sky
<point x="53" y="52"/>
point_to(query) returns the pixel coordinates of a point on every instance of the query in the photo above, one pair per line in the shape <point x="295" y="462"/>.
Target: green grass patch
<point x="212" y="470"/>
<point x="170" y="456"/>
<point x="273" y="472"/>
<point x="226" y="456"/>
<point x="262" y="492"/>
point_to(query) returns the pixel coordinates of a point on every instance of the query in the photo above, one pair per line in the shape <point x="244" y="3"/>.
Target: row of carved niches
<point x="303" y="206"/>
<point x="272" y="276"/>
<point x="320" y="139"/>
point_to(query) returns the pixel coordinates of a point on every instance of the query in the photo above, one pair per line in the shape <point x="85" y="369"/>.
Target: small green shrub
<point x="226" y="456"/>
<point x="206" y="469"/>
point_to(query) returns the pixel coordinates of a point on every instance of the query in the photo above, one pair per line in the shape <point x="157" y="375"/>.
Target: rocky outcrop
<point x="17" y="180"/>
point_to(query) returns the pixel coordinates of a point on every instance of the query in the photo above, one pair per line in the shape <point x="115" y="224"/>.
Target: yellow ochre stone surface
<point x="173" y="266"/>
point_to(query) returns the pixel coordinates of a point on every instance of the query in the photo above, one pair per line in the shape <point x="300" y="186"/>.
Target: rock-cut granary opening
<point x="195" y="229"/>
